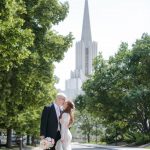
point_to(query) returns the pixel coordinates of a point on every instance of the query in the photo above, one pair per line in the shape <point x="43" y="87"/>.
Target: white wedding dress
<point x="66" y="136"/>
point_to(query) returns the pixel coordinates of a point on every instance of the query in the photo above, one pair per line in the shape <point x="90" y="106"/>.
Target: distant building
<point x="86" y="51"/>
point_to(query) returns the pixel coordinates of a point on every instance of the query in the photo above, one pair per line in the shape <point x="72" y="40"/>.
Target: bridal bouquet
<point x="47" y="143"/>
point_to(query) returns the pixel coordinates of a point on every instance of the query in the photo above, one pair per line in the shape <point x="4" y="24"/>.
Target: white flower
<point x="47" y="143"/>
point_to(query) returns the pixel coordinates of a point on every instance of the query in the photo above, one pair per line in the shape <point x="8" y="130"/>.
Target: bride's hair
<point x="70" y="110"/>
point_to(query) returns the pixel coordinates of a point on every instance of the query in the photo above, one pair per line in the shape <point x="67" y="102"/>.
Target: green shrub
<point x="142" y="138"/>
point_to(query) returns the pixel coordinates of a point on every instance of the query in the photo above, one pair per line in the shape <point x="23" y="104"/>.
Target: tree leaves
<point x="119" y="89"/>
<point x="28" y="49"/>
<point x="14" y="41"/>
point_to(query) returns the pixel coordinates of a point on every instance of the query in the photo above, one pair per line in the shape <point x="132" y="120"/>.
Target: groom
<point x="50" y="126"/>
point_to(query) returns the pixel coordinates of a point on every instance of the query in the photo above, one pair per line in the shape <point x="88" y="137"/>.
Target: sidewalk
<point x="32" y="148"/>
<point x="112" y="147"/>
<point x="146" y="145"/>
<point x="24" y="148"/>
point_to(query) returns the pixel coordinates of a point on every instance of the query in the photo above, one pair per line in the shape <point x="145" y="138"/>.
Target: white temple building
<point x="86" y="51"/>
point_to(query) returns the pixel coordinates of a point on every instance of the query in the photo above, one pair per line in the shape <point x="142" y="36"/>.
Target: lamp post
<point x="20" y="143"/>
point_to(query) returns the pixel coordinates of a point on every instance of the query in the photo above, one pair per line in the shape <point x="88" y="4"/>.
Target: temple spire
<point x="86" y="28"/>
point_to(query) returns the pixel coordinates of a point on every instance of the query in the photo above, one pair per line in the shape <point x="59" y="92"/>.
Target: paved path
<point x="76" y="146"/>
<point x="101" y="147"/>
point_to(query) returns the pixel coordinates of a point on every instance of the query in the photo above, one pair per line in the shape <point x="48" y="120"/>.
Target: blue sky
<point x="112" y="21"/>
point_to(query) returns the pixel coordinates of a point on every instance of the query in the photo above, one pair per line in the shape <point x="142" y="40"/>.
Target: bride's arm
<point x="64" y="125"/>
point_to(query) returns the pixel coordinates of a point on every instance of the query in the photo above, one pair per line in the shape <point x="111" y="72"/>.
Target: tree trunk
<point x="28" y="139"/>
<point x="145" y="125"/>
<point x="96" y="132"/>
<point x="116" y="137"/>
<point x="33" y="141"/>
<point x="85" y="138"/>
<point x="0" y="139"/>
<point x="9" y="134"/>
<point x="88" y="137"/>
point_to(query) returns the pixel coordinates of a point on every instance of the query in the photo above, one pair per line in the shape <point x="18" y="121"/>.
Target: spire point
<point x="86" y="27"/>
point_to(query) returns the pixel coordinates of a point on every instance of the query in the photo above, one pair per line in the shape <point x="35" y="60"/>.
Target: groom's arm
<point x="44" y="118"/>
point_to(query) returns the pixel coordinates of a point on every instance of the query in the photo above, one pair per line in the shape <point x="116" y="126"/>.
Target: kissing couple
<point x="56" y="120"/>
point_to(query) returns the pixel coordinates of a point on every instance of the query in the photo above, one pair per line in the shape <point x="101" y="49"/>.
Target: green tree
<point x="118" y="91"/>
<point x="28" y="51"/>
<point x="87" y="124"/>
<point x="14" y="41"/>
<point x="138" y="95"/>
<point x="14" y="49"/>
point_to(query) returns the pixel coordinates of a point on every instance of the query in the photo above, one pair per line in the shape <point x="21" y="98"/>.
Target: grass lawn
<point x="147" y="147"/>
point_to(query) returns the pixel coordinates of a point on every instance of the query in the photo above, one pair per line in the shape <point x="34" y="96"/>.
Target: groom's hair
<point x="61" y="94"/>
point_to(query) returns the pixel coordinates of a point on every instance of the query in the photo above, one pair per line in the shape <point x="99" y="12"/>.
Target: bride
<point x="66" y="119"/>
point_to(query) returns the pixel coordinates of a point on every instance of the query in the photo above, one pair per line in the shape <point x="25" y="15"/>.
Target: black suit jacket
<point x="49" y="122"/>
